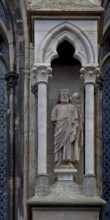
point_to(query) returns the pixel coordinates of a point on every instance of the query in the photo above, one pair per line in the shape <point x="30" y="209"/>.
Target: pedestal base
<point x="65" y="174"/>
<point x="65" y="201"/>
<point x="65" y="213"/>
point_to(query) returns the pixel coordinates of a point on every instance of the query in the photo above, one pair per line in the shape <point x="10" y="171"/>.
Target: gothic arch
<point x="84" y="50"/>
<point x="8" y="39"/>
<point x="3" y="30"/>
<point x="106" y="28"/>
<point x="105" y="60"/>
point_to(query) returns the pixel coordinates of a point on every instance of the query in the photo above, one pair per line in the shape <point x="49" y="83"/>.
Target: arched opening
<point x="66" y="69"/>
<point x="66" y="74"/>
<point x="65" y="51"/>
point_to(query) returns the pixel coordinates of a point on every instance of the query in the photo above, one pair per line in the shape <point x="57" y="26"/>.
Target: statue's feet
<point x="64" y="165"/>
<point x="57" y="165"/>
<point x="70" y="165"/>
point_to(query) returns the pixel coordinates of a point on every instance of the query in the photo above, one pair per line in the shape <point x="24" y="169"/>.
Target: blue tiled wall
<point x="3" y="123"/>
<point x="3" y="144"/>
<point x="3" y="15"/>
<point x="106" y="139"/>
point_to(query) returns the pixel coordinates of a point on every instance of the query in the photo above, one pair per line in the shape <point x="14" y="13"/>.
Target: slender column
<point x="89" y="129"/>
<point x="41" y="75"/>
<point x="42" y="128"/>
<point x="89" y="74"/>
<point x="11" y="79"/>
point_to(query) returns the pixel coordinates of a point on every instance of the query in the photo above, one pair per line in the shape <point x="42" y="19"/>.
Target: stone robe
<point x="66" y="131"/>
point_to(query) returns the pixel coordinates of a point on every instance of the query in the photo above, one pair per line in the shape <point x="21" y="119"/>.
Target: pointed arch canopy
<point x="84" y="50"/>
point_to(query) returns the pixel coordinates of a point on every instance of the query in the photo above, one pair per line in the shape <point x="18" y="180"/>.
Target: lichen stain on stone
<point x="64" y="5"/>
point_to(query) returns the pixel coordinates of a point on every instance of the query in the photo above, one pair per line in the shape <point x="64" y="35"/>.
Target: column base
<point x="42" y="185"/>
<point x="89" y="185"/>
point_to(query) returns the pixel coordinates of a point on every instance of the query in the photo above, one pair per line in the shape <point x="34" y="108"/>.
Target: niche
<point x="65" y="74"/>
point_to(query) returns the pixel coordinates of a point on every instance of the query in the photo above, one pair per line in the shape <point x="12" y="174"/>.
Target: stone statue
<point x="66" y="118"/>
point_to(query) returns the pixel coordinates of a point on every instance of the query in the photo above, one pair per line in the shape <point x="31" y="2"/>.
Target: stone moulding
<point x="84" y="50"/>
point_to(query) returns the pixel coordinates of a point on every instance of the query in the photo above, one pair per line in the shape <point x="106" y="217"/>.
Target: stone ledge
<point x="61" y="201"/>
<point x="70" y="5"/>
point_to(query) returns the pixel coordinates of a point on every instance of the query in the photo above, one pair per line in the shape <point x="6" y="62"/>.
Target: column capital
<point x="89" y="74"/>
<point x="41" y="73"/>
<point x="11" y="79"/>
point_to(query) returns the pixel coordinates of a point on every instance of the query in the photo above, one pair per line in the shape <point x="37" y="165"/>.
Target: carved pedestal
<point x="65" y="201"/>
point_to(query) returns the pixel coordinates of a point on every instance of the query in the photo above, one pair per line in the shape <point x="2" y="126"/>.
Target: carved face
<point x="64" y="97"/>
